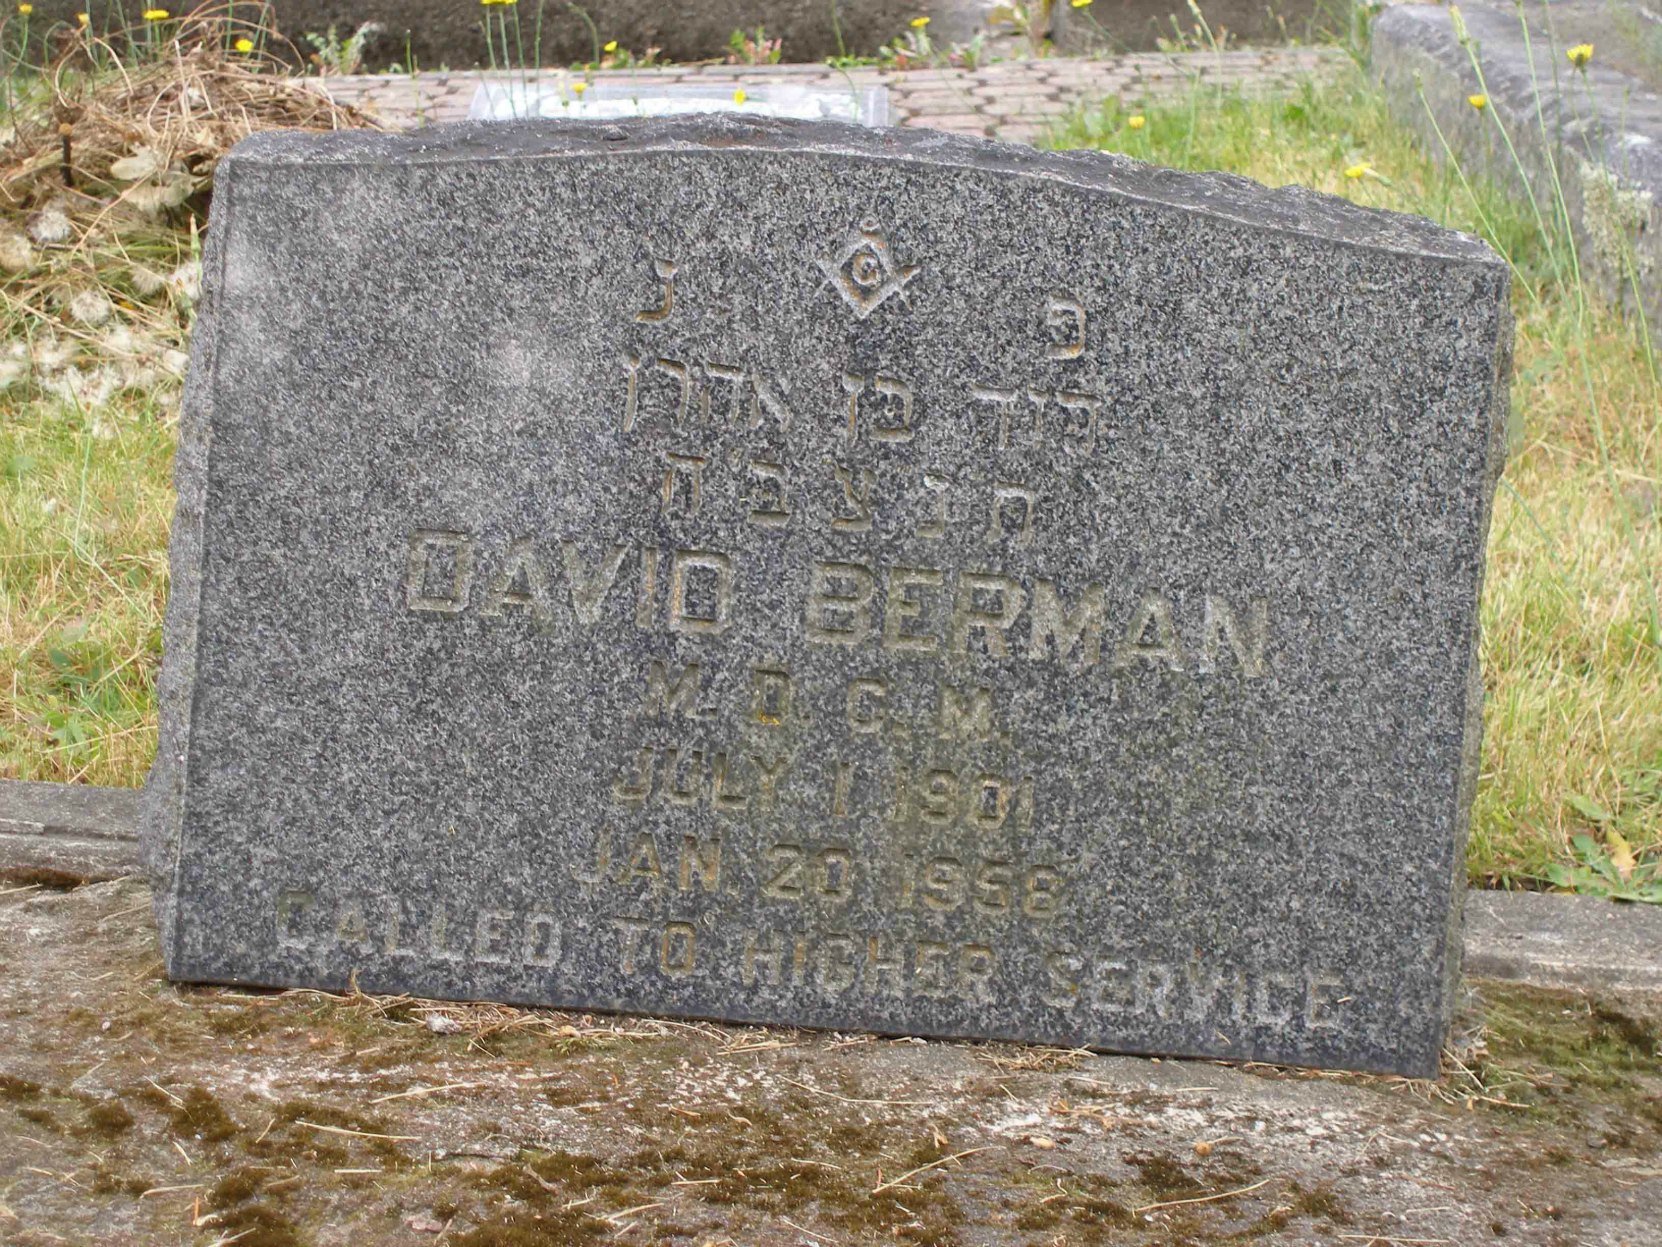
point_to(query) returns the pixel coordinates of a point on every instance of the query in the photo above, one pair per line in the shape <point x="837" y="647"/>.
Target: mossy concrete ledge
<point x="1598" y="127"/>
<point x="133" y="1111"/>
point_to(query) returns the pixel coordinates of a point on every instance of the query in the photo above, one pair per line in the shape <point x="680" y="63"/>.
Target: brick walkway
<point x="1012" y="100"/>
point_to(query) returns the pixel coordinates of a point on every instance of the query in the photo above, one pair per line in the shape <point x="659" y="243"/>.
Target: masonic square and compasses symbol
<point x="865" y="273"/>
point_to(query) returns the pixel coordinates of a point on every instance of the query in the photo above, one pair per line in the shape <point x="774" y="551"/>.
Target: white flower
<point x="53" y="352"/>
<point x="50" y="225"/>
<point x="146" y="281"/>
<point x="141" y="164"/>
<point x="168" y="191"/>
<point x="85" y="390"/>
<point x="121" y="340"/>
<point x="16" y="255"/>
<point x="186" y="280"/>
<point x="90" y="307"/>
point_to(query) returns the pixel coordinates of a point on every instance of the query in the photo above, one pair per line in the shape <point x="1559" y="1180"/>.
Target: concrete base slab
<point x="67" y="833"/>
<point x="1563" y="941"/>
<point x="133" y="1111"/>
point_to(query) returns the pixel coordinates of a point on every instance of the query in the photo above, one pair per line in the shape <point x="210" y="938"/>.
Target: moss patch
<point x="536" y="1229"/>
<point x="1555" y="1051"/>
<point x="107" y="1118"/>
<point x="200" y="1116"/>
<point x="13" y="1088"/>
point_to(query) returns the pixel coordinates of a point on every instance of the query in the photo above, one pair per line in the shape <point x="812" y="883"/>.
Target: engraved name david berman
<point x="848" y="603"/>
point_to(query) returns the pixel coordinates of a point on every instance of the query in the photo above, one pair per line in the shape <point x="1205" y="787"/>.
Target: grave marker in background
<point x="861" y="579"/>
<point x="557" y="97"/>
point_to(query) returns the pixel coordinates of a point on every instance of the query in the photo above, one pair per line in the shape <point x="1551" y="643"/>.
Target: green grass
<point x="1573" y="739"/>
<point x="1573" y="673"/>
<point x="85" y="503"/>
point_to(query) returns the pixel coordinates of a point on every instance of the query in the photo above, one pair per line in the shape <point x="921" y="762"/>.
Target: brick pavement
<point x="1013" y="100"/>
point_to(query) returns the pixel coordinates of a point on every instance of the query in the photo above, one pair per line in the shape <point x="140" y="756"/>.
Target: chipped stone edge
<point x="1455" y="948"/>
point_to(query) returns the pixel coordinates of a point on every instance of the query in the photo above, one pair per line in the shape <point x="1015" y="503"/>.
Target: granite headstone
<point x="859" y="579"/>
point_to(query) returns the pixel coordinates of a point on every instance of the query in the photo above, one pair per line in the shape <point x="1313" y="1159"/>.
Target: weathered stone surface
<point x="849" y="578"/>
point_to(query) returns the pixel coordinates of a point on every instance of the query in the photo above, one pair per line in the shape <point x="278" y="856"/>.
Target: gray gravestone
<point x="858" y="579"/>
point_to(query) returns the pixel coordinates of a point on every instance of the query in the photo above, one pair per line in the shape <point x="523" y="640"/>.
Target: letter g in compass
<point x="865" y="272"/>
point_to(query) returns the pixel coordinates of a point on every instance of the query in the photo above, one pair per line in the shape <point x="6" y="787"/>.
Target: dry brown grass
<point x="104" y="185"/>
<point x="189" y="105"/>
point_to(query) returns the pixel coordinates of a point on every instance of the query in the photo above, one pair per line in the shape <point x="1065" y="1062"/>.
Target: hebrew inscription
<point x="749" y="570"/>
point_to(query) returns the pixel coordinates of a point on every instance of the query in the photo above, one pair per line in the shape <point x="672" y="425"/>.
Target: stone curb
<point x="67" y="833"/>
<point x="1604" y="130"/>
<point x="62" y="834"/>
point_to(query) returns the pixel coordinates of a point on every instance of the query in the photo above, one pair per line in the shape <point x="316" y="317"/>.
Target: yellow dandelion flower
<point x="739" y="96"/>
<point x="611" y="46"/>
<point x="25" y="9"/>
<point x="1358" y="171"/>
<point x="245" y="46"/>
<point x="918" y="23"/>
<point x="84" y="18"/>
<point x="156" y="15"/>
<point x="1580" y="54"/>
<point x="1136" y="121"/>
<point x="578" y="88"/>
<point x="1479" y="102"/>
<point x="1081" y="4"/>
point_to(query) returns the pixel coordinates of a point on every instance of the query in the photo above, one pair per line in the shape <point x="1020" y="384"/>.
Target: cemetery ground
<point x="133" y="1111"/>
<point x="136" y="1111"/>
